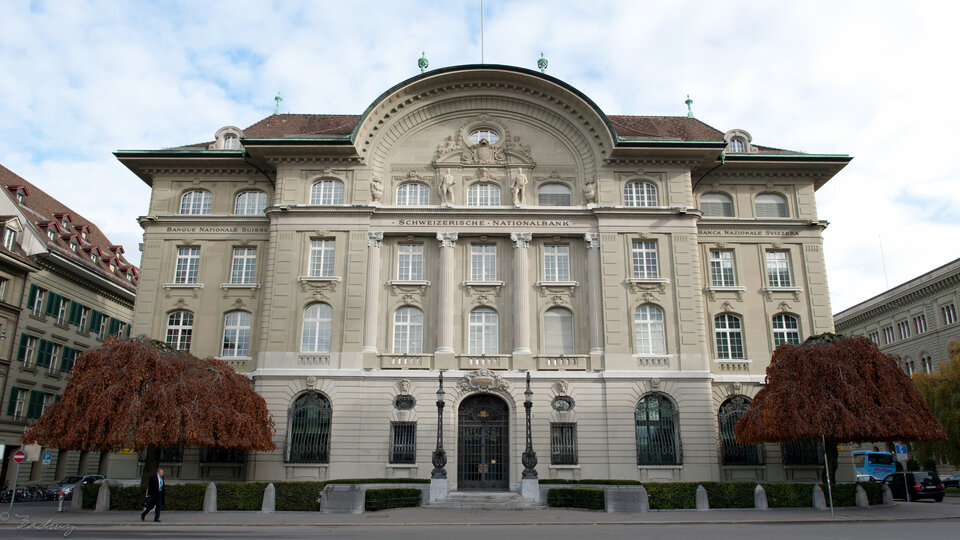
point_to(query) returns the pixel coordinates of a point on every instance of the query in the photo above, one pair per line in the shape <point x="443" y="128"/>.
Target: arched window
<point x="196" y="202"/>
<point x="910" y="367"/>
<point x="640" y="194"/>
<point x="770" y="205"/>
<point x="558" y="331"/>
<point x="729" y="334"/>
<point x="487" y="134"/>
<point x="231" y="142"/>
<point x="926" y="362"/>
<point x="309" y="434"/>
<point x="179" y="330"/>
<point x="236" y="334"/>
<point x="648" y="330"/>
<point x="737" y="145"/>
<point x="483" y="195"/>
<point x="716" y="205"/>
<point x="657" y="437"/>
<point x="327" y="192"/>
<point x="553" y="195"/>
<point x="484" y="331"/>
<point x="408" y="331"/>
<point x="731" y="452"/>
<point x="413" y="194"/>
<point x="250" y="203"/>
<point x="317" y="327"/>
<point x="786" y="329"/>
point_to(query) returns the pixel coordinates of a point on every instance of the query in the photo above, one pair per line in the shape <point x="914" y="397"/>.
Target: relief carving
<point x="482" y="380"/>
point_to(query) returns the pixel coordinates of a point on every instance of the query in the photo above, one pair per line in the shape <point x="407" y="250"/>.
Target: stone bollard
<point x="269" y="499"/>
<point x="76" y="502"/>
<point x="861" y="497"/>
<point x="760" y="498"/>
<point x="103" y="498"/>
<point x="703" y="501"/>
<point x="210" y="498"/>
<point x="887" y="494"/>
<point x="819" y="501"/>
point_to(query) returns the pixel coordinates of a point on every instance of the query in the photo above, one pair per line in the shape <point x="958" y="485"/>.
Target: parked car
<point x="921" y="485"/>
<point x="952" y="481"/>
<point x="65" y="486"/>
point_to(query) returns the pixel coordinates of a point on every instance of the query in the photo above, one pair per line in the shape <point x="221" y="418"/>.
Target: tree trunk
<point x="150" y="465"/>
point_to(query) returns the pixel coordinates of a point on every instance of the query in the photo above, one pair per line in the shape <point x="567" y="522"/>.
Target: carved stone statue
<point x="446" y="188"/>
<point x="376" y="189"/>
<point x="520" y="188"/>
<point x="590" y="191"/>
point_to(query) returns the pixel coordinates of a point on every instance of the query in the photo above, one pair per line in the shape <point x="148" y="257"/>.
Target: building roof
<point x="41" y="209"/>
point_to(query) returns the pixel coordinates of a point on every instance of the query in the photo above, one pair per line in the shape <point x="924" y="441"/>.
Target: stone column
<point x="522" y="356"/>
<point x="444" y="356"/>
<point x="371" y="316"/>
<point x="594" y="298"/>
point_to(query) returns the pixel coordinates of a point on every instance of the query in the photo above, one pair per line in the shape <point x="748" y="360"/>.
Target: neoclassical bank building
<point x="487" y="222"/>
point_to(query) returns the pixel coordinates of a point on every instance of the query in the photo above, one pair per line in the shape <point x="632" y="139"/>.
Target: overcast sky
<point x="874" y="79"/>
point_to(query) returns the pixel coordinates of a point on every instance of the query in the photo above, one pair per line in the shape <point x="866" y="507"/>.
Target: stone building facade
<point x="64" y="288"/>
<point x="487" y="222"/>
<point x="916" y="320"/>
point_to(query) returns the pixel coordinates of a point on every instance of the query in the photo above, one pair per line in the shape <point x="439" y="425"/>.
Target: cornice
<point x="617" y="161"/>
<point x="45" y="264"/>
<point x="763" y="174"/>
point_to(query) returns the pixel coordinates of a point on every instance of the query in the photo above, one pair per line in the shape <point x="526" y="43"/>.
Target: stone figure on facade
<point x="376" y="189"/>
<point x="446" y="188"/>
<point x="520" y="188"/>
<point x="590" y="191"/>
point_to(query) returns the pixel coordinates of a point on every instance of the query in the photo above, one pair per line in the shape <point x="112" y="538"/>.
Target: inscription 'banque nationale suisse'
<point x="218" y="229"/>
<point x="484" y="223"/>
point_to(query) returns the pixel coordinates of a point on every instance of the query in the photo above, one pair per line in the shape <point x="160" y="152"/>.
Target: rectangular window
<point x="321" y="258"/>
<point x="920" y="324"/>
<point x="563" y="443"/>
<point x="48" y="400"/>
<point x="16" y="406"/>
<point x="556" y="263"/>
<point x="188" y="265"/>
<point x="483" y="263"/>
<point x="35" y="407"/>
<point x="949" y="313"/>
<point x="28" y="344"/>
<point x="778" y="269"/>
<point x="404" y="447"/>
<point x="62" y="312"/>
<point x="721" y="268"/>
<point x="645" y="259"/>
<point x="3" y="290"/>
<point x="243" y="267"/>
<point x="82" y="318"/>
<point x="35" y="303"/>
<point x="410" y="262"/>
<point x="55" y="350"/>
<point x="888" y="335"/>
<point x="903" y="328"/>
<point x="875" y="337"/>
<point x="102" y="328"/>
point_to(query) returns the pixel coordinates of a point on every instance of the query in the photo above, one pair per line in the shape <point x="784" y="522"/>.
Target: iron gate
<point x="482" y="445"/>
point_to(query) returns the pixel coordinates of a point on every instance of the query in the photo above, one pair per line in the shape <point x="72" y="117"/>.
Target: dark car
<point x="952" y="481"/>
<point x="921" y="484"/>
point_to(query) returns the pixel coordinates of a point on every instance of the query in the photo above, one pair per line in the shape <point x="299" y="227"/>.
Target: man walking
<point x="155" y="494"/>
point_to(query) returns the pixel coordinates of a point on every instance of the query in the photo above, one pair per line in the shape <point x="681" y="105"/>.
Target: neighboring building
<point x="488" y="221"/>
<point x="64" y="287"/>
<point x="916" y="320"/>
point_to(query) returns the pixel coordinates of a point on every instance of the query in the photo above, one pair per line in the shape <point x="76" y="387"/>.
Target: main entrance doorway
<point x="482" y="444"/>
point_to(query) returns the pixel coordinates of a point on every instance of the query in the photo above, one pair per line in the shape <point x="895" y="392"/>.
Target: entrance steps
<point x="484" y="500"/>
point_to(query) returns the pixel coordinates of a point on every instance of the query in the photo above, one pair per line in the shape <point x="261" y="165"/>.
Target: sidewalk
<point x="901" y="511"/>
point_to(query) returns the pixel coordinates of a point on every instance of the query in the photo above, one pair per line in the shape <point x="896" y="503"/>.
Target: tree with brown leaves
<point x="839" y="389"/>
<point x="941" y="389"/>
<point x="142" y="394"/>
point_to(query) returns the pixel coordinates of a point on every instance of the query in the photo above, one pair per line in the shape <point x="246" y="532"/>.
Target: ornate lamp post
<point x="529" y="458"/>
<point x="440" y="455"/>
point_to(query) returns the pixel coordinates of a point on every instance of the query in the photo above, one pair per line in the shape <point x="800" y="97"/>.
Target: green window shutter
<point x="76" y="308"/>
<point x="52" y="304"/>
<point x="114" y="327"/>
<point x="128" y="329"/>
<point x="12" y="408"/>
<point x="32" y="297"/>
<point x="43" y="354"/>
<point x="36" y="404"/>
<point x="68" y="358"/>
<point x="23" y="347"/>
<point x="95" y="317"/>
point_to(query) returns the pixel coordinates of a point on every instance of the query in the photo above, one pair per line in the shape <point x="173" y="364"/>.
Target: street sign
<point x="901" y="450"/>
<point x="47" y="456"/>
<point x="19" y="456"/>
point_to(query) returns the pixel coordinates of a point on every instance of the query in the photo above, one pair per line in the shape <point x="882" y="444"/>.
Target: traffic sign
<point x="901" y="450"/>
<point x="19" y="456"/>
<point x="47" y="456"/>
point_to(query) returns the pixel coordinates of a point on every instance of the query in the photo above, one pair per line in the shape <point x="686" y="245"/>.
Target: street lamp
<point x="439" y="455"/>
<point x="529" y="458"/>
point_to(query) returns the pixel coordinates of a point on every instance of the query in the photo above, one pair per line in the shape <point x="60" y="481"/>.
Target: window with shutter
<point x="558" y="331"/>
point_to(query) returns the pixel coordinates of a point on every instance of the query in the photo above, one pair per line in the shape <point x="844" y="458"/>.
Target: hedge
<point x="383" y="499"/>
<point x="586" y="498"/>
<point x="298" y="496"/>
<point x="597" y="482"/>
<point x="240" y="495"/>
<point x="89" y="495"/>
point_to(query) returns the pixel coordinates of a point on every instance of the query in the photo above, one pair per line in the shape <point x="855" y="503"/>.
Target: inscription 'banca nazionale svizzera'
<point x="484" y="223"/>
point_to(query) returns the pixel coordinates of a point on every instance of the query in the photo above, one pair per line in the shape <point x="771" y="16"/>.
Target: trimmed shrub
<point x="127" y="498"/>
<point x="874" y="492"/>
<point x="240" y="495"/>
<point x="729" y="494"/>
<point x="586" y="498"/>
<point x="672" y="495"/>
<point x="595" y="482"/>
<point x="788" y="495"/>
<point x="188" y="497"/>
<point x="383" y="499"/>
<point x="298" y="496"/>
<point x="378" y="481"/>
<point x="89" y="495"/>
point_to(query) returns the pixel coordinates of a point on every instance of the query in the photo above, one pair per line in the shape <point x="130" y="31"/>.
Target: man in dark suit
<point x="155" y="494"/>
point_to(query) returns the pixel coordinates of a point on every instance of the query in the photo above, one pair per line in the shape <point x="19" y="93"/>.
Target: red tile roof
<point x="41" y="209"/>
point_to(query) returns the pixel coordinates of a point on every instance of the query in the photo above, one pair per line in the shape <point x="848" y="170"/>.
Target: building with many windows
<point x="64" y="287"/>
<point x="486" y="222"/>
<point x="915" y="320"/>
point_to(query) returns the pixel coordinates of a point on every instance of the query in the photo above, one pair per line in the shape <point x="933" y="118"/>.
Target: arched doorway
<point x="483" y="443"/>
